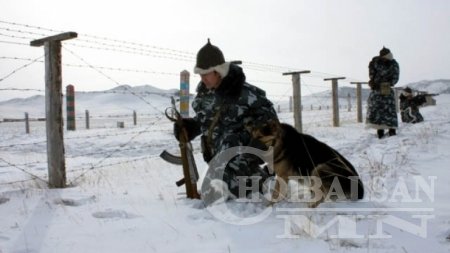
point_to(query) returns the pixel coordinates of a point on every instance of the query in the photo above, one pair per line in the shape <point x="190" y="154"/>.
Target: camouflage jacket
<point x="383" y="70"/>
<point x="381" y="110"/>
<point x="409" y="108"/>
<point x="222" y="114"/>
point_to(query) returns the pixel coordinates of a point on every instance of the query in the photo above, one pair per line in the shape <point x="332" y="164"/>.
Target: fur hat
<point x="386" y="53"/>
<point x="407" y="91"/>
<point x="209" y="59"/>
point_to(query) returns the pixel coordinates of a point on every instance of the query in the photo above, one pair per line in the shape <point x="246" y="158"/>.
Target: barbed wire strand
<point x="252" y="65"/>
<point x="20" y="68"/>
<point x="110" y="154"/>
<point x="131" y="139"/>
<point x="23" y="170"/>
<point x="14" y="42"/>
<point x="96" y="66"/>
<point x="114" y="81"/>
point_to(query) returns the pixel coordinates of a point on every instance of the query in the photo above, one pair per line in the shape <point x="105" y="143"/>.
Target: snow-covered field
<point x="123" y="197"/>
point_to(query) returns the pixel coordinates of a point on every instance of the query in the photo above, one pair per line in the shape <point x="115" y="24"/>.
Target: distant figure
<point x="409" y="106"/>
<point x="381" y="113"/>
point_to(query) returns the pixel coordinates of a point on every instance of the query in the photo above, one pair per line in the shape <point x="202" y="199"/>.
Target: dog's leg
<point x="280" y="189"/>
<point x="322" y="172"/>
<point x="275" y="192"/>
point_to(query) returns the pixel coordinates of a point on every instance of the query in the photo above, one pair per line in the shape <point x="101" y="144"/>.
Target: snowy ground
<point x="123" y="197"/>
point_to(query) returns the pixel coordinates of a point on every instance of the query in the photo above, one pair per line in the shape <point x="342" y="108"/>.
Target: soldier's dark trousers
<point x="392" y="132"/>
<point x="380" y="133"/>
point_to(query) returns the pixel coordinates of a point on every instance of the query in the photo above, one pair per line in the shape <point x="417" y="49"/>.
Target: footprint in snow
<point x="3" y="200"/>
<point x="114" y="214"/>
<point x="74" y="202"/>
<point x="4" y="238"/>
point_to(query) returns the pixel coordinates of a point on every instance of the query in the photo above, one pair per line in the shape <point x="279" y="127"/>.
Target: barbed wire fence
<point x="19" y="35"/>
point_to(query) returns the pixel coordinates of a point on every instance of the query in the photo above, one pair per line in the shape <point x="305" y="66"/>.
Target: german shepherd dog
<point x="297" y="154"/>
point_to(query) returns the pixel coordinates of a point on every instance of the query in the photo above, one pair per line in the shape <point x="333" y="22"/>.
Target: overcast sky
<point x="330" y="38"/>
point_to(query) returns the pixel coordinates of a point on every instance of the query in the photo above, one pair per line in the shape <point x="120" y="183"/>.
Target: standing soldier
<point x="381" y="112"/>
<point x="225" y="103"/>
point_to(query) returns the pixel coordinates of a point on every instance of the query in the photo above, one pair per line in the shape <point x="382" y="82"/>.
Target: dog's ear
<point x="274" y="126"/>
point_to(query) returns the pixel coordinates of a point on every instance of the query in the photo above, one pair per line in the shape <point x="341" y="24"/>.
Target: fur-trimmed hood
<point x="231" y="85"/>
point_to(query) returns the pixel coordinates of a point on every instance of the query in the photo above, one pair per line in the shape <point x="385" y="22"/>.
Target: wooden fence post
<point x="359" y="100"/>
<point x="86" y="113"/>
<point x="134" y="117"/>
<point x="297" y="97"/>
<point x="53" y="104"/>
<point x="27" y="123"/>
<point x="334" y="90"/>
<point x="349" y="102"/>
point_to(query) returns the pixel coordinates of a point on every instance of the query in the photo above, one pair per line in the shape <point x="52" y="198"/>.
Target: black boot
<point x="380" y="133"/>
<point x="392" y="132"/>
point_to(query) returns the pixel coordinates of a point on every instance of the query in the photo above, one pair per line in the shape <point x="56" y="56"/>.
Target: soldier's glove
<point x="190" y="125"/>
<point x="206" y="149"/>
<point x="373" y="85"/>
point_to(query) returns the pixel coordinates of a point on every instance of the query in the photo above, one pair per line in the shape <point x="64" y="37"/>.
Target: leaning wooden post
<point x="349" y="102"/>
<point x="70" y="107"/>
<point x="27" y="123"/>
<point x="334" y="90"/>
<point x="359" y="100"/>
<point x="184" y="93"/>
<point x="53" y="107"/>
<point x="86" y="113"/>
<point x="297" y="94"/>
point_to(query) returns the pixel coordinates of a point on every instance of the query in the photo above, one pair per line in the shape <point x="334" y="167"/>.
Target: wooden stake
<point x="359" y="100"/>
<point x="297" y="94"/>
<point x="86" y="113"/>
<point x="334" y="90"/>
<point x="27" y="123"/>
<point x="349" y="102"/>
<point x="53" y="107"/>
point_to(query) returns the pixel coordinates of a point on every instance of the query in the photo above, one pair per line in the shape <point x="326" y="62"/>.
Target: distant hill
<point x="147" y="99"/>
<point x="144" y="89"/>
<point x="344" y="91"/>
<point x="441" y="86"/>
<point x="119" y="100"/>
